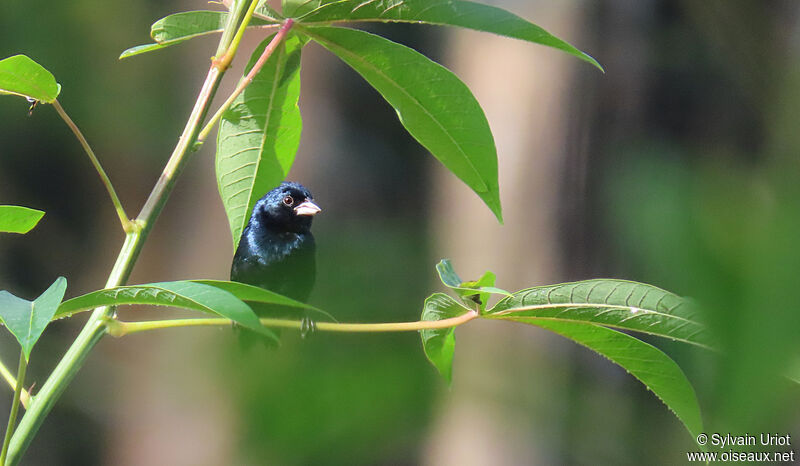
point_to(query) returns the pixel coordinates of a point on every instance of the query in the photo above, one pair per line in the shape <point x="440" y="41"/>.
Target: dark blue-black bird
<point x="277" y="250"/>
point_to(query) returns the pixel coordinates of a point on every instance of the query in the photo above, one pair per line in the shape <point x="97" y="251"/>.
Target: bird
<point x="277" y="250"/>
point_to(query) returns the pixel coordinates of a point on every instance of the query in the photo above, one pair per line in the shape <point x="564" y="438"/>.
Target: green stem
<point x="225" y="60"/>
<point x="268" y="50"/>
<point x="25" y="397"/>
<point x="119" y="328"/>
<point x="12" y="418"/>
<point x="235" y="14"/>
<point x="94" y="329"/>
<point x="123" y="217"/>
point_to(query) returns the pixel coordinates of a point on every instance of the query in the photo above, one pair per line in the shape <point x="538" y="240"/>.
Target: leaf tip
<point x="447" y="274"/>
<point x="590" y="60"/>
<point x="492" y="201"/>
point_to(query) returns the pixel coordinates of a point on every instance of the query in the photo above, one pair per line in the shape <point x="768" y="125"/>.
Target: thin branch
<point x="119" y="328"/>
<point x="25" y="397"/>
<point x="12" y="417"/>
<point x="235" y="12"/>
<point x="127" y="225"/>
<point x="225" y="60"/>
<point x="268" y="50"/>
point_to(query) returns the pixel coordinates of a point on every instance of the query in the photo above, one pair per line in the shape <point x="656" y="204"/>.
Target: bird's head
<point x="289" y="208"/>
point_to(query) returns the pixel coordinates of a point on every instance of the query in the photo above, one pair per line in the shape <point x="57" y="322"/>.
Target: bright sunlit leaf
<point x="17" y="219"/>
<point x="19" y="75"/>
<point x="259" y="134"/>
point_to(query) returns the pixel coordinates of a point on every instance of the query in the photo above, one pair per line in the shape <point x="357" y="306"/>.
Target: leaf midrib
<point x="136" y="288"/>
<point x="590" y="305"/>
<point x="597" y="324"/>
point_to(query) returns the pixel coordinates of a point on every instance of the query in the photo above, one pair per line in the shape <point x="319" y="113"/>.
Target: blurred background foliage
<point x="678" y="167"/>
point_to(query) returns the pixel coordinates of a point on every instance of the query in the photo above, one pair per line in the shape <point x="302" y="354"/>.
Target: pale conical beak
<point x="307" y="208"/>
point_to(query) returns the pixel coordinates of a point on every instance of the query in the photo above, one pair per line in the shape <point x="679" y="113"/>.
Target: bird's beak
<point x="307" y="208"/>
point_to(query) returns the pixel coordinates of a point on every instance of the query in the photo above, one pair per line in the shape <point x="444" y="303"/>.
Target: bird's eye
<point x="288" y="200"/>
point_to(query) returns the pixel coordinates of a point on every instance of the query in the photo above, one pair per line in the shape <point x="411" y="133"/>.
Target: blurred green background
<point x="677" y="167"/>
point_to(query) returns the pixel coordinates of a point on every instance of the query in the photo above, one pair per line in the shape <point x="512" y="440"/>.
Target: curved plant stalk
<point x="119" y="328"/>
<point x="94" y="328"/>
<point x="127" y="225"/>
<point x="12" y="418"/>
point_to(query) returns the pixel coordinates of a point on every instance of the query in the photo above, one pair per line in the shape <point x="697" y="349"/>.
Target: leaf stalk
<point x="123" y="217"/>
<point x="12" y="417"/>
<point x="119" y="328"/>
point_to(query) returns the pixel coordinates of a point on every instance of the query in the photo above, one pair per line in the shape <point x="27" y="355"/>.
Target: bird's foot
<point x="307" y="327"/>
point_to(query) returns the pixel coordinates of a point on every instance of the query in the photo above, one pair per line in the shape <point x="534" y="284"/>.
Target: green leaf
<point x="259" y="134"/>
<point x="179" y="27"/>
<point x="432" y="103"/>
<point x="471" y="292"/>
<point x="440" y="344"/>
<point x="468" y="15"/>
<point x="447" y="274"/>
<point x="265" y="11"/>
<point x="252" y="293"/>
<point x="181" y="294"/>
<point x="19" y="75"/>
<point x="189" y="24"/>
<point x="295" y="8"/>
<point x="140" y="49"/>
<point x="612" y="303"/>
<point x="26" y="320"/>
<point x="16" y="219"/>
<point x="647" y="363"/>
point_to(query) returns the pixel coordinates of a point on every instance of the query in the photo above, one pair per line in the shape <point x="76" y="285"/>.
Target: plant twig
<point x="24" y="396"/>
<point x="127" y="225"/>
<point x="119" y="328"/>
<point x="225" y="60"/>
<point x="273" y="44"/>
<point x="12" y="418"/>
<point x="235" y="9"/>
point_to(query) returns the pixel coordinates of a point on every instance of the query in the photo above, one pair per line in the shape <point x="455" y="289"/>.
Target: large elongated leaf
<point x="19" y="75"/>
<point x="652" y="367"/>
<point x="463" y="14"/>
<point x="613" y="303"/>
<point x="432" y="103"/>
<point x="16" y="219"/>
<point x="258" y="136"/>
<point x="440" y="344"/>
<point x="179" y="27"/>
<point x="28" y="319"/>
<point x="181" y="294"/>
